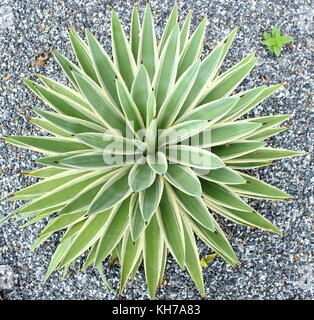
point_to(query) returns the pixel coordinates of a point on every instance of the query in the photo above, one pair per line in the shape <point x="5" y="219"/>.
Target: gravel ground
<point x="272" y="267"/>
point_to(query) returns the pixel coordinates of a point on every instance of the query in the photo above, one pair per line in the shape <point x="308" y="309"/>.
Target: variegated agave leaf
<point x="144" y="148"/>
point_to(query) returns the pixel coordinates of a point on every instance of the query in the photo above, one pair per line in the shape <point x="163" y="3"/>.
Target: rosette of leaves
<point x="151" y="193"/>
<point x="275" y="41"/>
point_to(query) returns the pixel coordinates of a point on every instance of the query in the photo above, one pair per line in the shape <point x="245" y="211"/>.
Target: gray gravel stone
<point x="272" y="267"/>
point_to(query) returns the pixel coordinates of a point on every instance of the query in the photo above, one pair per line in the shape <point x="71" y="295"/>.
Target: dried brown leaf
<point x="42" y="61"/>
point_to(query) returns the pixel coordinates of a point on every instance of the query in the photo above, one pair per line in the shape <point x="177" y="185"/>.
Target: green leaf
<point x="122" y="54"/>
<point x="90" y="232"/>
<point x="212" y="111"/>
<point x="236" y="149"/>
<point x="131" y="251"/>
<point x="153" y="249"/>
<point x="248" y="99"/>
<point x="193" y="49"/>
<point x="262" y="96"/>
<point x="275" y="31"/>
<point x="87" y="195"/>
<point x="196" y="208"/>
<point x="63" y="221"/>
<point x="184" y="179"/>
<point x="37" y="218"/>
<point x="39" y="241"/>
<point x="269" y="121"/>
<point x="252" y="219"/>
<point x="115" y="190"/>
<point x="266" y="154"/>
<point x="158" y="162"/>
<point x="170" y="26"/>
<point x="255" y="187"/>
<point x="151" y="136"/>
<point x="170" y="224"/>
<point x="67" y="66"/>
<point x="49" y="127"/>
<point x="54" y="161"/>
<point x="163" y="265"/>
<point x="129" y="107"/>
<point x="185" y="31"/>
<point x="148" y="54"/>
<point x="267" y="35"/>
<point x="215" y="240"/>
<point x="226" y="84"/>
<point x="57" y="257"/>
<point x="192" y="258"/>
<point x="181" y="131"/>
<point x="64" y="90"/>
<point x="135" y="269"/>
<point x="248" y="165"/>
<point x="70" y="124"/>
<point x="137" y="222"/>
<point x="49" y="184"/>
<point x="110" y="143"/>
<point x="135" y="33"/>
<point x="61" y="103"/>
<point x="73" y="230"/>
<point x="264" y="134"/>
<point x="7" y="218"/>
<point x="208" y="69"/>
<point x="141" y="177"/>
<point x="51" y="210"/>
<point x="44" y="172"/>
<point x="83" y="55"/>
<point x="63" y="193"/>
<point x="226" y="132"/>
<point x="175" y="99"/>
<point x="17" y="198"/>
<point x="285" y="39"/>
<point x="167" y="65"/>
<point x="277" y="51"/>
<point x="113" y="231"/>
<point x="223" y="175"/>
<point x="105" y="69"/>
<point x="100" y="270"/>
<point x="269" y="42"/>
<point x="151" y="108"/>
<point x="238" y="65"/>
<point x="141" y="89"/>
<point x="149" y="198"/>
<point x="107" y="113"/>
<point x="91" y="256"/>
<point x="194" y="157"/>
<point x="47" y="144"/>
<point x="98" y="160"/>
<point x="227" y="42"/>
<point x="223" y="196"/>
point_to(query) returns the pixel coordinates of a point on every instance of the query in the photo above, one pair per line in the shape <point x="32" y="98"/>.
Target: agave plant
<point x="145" y="149"/>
